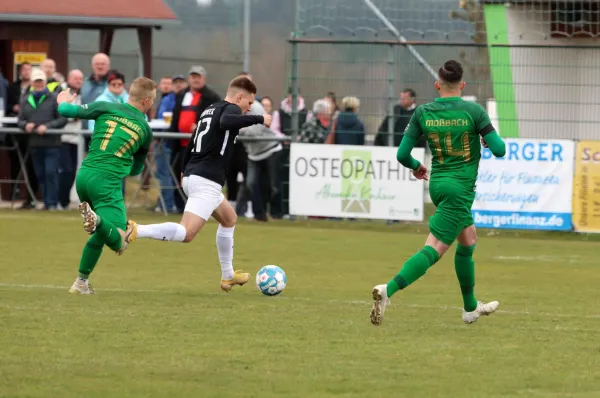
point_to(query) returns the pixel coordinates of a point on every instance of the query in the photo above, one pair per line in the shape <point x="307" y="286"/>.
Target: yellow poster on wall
<point x="35" y="59"/>
<point x="586" y="192"/>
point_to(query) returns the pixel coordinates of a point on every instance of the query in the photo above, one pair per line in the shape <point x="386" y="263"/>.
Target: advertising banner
<point x="586" y="191"/>
<point x="353" y="182"/>
<point x="530" y="188"/>
<point x="35" y="59"/>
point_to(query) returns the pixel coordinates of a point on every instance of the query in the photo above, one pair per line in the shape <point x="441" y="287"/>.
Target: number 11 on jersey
<point x="201" y="133"/>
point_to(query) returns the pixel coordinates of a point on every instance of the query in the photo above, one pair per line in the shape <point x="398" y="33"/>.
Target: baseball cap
<point x="178" y="77"/>
<point x="38" y="74"/>
<point x="197" y="70"/>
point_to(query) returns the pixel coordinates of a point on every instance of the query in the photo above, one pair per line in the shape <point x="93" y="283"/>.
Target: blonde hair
<point x="141" y="88"/>
<point x="350" y="103"/>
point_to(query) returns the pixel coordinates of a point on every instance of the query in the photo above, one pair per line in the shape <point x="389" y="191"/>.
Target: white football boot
<point x="482" y="309"/>
<point x="380" y="301"/>
<point x="90" y="218"/>
<point x="81" y="286"/>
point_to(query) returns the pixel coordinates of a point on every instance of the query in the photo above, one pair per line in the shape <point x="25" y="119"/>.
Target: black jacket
<point x="45" y="113"/>
<point x="401" y="119"/>
<point x="14" y="97"/>
<point x="349" y="130"/>
<point x="208" y="98"/>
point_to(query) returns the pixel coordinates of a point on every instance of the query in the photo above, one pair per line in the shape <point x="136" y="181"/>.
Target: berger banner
<point x="353" y="182"/>
<point x="530" y="188"/>
<point x="586" y="191"/>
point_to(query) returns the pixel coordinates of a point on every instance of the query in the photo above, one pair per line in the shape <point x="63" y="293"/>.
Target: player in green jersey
<point x="455" y="130"/>
<point x="118" y="148"/>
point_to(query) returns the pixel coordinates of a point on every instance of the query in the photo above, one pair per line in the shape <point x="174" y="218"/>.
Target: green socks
<point x="109" y="234"/>
<point x="89" y="258"/>
<point x="465" y="272"/>
<point x="413" y="269"/>
<point x="106" y="234"/>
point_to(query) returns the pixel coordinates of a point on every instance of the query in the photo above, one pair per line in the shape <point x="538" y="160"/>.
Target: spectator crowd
<point x="254" y="183"/>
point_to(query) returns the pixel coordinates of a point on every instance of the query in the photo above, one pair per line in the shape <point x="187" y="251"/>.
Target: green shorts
<point x="104" y="192"/>
<point x="453" y="201"/>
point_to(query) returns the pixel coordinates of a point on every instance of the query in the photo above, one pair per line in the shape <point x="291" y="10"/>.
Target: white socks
<point x="225" y="249"/>
<point x="168" y="231"/>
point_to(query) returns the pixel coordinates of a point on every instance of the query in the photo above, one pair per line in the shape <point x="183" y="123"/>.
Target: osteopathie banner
<point x="530" y="188"/>
<point x="586" y="195"/>
<point x="353" y="182"/>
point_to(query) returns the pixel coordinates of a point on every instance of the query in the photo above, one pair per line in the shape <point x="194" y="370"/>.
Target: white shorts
<point x="204" y="196"/>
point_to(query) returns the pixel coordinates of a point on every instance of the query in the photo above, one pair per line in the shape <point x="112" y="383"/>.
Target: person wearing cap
<point x="115" y="92"/>
<point x="39" y="113"/>
<point x="189" y="105"/>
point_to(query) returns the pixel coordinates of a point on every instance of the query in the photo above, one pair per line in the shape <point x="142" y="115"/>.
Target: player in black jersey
<point x="205" y="165"/>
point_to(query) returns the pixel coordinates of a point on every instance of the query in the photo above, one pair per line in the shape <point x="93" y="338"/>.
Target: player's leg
<point x="103" y="211"/>
<point x="227" y="218"/>
<point x="444" y="228"/>
<point x="89" y="258"/>
<point x="465" y="272"/>
<point x="199" y="207"/>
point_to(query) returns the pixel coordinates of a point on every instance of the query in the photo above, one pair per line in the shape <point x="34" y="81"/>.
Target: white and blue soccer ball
<point x="271" y="280"/>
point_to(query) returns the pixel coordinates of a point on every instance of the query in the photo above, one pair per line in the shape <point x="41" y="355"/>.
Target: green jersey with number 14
<point x="453" y="128"/>
<point x="120" y="133"/>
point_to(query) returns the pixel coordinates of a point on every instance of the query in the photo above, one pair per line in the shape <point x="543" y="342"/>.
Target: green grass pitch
<point x="160" y="327"/>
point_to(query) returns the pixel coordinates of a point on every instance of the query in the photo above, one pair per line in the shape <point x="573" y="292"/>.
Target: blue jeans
<point x="67" y="169"/>
<point x="46" y="163"/>
<point x="163" y="162"/>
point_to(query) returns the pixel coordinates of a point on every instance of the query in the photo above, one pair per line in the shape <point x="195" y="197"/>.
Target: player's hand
<point x="65" y="96"/>
<point x="483" y="144"/>
<point x="29" y="127"/>
<point x="194" y="127"/>
<point x="41" y="130"/>
<point x="16" y="108"/>
<point x="181" y="180"/>
<point x="421" y="173"/>
<point x="268" y="119"/>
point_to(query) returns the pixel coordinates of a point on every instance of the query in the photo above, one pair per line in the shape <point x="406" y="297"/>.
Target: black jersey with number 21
<point x="209" y="151"/>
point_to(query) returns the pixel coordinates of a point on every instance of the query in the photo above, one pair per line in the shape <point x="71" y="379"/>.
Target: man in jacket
<point x="402" y="113"/>
<point x="39" y="113"/>
<point x="189" y="105"/>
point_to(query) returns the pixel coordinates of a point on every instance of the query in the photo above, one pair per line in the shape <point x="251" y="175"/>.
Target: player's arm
<point x="232" y="119"/>
<point x="139" y="159"/>
<point x="187" y="154"/>
<point x="89" y="111"/>
<point x="489" y="135"/>
<point x="409" y="141"/>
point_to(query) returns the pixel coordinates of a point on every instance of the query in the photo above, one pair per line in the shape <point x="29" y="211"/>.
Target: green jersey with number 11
<point x="121" y="136"/>
<point x="453" y="129"/>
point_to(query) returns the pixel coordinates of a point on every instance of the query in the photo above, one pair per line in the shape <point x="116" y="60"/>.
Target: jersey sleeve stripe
<point x="486" y="130"/>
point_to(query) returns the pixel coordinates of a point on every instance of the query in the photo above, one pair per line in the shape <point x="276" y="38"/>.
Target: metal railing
<point x="81" y="152"/>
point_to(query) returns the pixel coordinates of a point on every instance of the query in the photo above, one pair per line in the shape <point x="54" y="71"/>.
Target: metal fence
<point x="530" y="91"/>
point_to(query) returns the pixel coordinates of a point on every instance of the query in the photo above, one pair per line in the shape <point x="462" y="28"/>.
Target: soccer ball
<point x="271" y="280"/>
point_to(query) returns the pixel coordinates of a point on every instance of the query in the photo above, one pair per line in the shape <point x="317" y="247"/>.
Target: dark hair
<point x="115" y="75"/>
<point x="23" y="64"/>
<point x="451" y="72"/>
<point x="244" y="73"/>
<point x="243" y="83"/>
<point x="410" y="92"/>
<point x="266" y="97"/>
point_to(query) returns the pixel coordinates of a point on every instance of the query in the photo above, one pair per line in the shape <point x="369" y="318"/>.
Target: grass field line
<point x="355" y="302"/>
